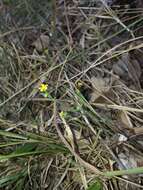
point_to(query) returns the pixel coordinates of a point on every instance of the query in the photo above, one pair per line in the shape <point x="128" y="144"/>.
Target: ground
<point x="71" y="95"/>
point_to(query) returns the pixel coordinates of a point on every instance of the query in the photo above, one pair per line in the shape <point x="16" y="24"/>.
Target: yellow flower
<point x="43" y="87"/>
<point x="62" y="114"/>
<point x="79" y="84"/>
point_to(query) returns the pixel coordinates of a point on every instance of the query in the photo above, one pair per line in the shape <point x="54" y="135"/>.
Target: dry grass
<point x="67" y="140"/>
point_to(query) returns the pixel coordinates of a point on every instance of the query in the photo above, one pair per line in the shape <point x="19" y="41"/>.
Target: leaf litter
<point x="101" y="122"/>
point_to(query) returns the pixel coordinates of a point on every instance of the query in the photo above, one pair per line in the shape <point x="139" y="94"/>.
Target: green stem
<point x="138" y="170"/>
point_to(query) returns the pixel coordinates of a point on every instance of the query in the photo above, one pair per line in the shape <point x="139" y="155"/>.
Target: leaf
<point x="128" y="68"/>
<point x="124" y="124"/>
<point x="125" y="119"/>
<point x="20" y="183"/>
<point x="25" y="148"/>
<point x="23" y="154"/>
<point x="96" y="186"/>
<point x="12" y="143"/>
<point x="82" y="41"/>
<point x="121" y="66"/>
<point x="68" y="131"/>
<point x="30" y="149"/>
<point x="4" y="181"/>
<point x="100" y="86"/>
<point x="41" y="43"/>
<point x="12" y="135"/>
<point x="128" y="160"/>
<point x="138" y="130"/>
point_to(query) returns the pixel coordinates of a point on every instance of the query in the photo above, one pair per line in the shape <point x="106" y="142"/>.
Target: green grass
<point x="65" y="141"/>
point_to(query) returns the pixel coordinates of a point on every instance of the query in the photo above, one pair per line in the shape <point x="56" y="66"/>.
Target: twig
<point x="83" y="162"/>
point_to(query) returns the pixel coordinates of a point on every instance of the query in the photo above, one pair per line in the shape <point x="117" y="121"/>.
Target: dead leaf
<point x="123" y="123"/>
<point x="128" y="160"/>
<point x="82" y="142"/>
<point x="68" y="132"/>
<point x="125" y="119"/>
<point x="120" y="68"/>
<point x="100" y="86"/>
<point x="128" y="68"/>
<point x="134" y="71"/>
<point x="41" y="43"/>
<point x="65" y="106"/>
<point x="82" y="41"/>
<point x="138" y="130"/>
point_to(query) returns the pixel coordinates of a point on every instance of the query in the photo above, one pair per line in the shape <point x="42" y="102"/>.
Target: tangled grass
<point x="67" y="135"/>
